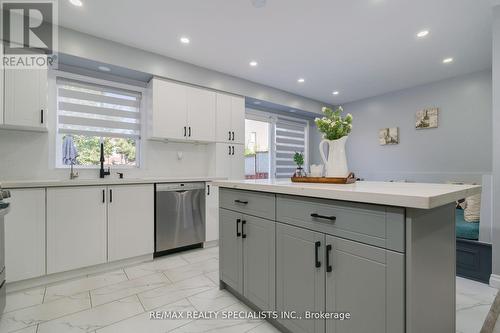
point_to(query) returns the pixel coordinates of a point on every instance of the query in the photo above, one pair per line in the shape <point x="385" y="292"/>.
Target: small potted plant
<point x="298" y="158"/>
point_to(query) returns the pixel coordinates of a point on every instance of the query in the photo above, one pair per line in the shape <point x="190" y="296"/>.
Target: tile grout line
<point x="143" y="307"/>
<point x="90" y="298"/>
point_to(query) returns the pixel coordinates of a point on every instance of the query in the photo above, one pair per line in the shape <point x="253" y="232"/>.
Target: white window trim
<point x="57" y="156"/>
<point x="272" y="118"/>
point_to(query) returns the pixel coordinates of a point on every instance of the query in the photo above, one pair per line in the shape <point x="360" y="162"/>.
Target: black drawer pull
<point x="103" y="196"/>
<point x="185" y="128"/>
<point x="329" y="267"/>
<point x="41" y="116"/>
<point x="238" y="233"/>
<point x="331" y="218"/>
<point x="243" y="235"/>
<point x="317" y="263"/>
<point x="241" y="202"/>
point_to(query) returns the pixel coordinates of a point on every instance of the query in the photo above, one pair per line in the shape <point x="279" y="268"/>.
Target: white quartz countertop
<point x="411" y="195"/>
<point x="98" y="181"/>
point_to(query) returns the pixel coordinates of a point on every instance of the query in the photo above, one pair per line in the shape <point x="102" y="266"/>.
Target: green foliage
<point x="332" y="125"/>
<point x="89" y="150"/>
<point x="298" y="158"/>
<point x="249" y="152"/>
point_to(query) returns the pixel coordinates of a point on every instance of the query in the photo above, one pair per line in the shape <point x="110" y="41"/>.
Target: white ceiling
<point x="361" y="48"/>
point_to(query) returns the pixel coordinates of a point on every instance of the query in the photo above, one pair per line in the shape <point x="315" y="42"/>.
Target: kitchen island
<point x="382" y="254"/>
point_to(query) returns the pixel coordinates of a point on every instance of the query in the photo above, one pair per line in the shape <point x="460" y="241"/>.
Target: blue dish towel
<point x="69" y="151"/>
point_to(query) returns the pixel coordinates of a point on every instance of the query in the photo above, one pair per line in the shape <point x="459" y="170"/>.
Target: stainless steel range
<point x="4" y="209"/>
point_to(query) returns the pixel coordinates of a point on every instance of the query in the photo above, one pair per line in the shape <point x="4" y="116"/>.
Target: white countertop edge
<point x="398" y="200"/>
<point x="19" y="184"/>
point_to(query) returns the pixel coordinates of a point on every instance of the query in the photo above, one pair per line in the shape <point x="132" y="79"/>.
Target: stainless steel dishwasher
<point x="179" y="216"/>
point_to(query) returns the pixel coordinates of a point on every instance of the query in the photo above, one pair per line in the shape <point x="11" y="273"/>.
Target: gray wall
<point x="459" y="149"/>
<point x="92" y="48"/>
<point x="496" y="141"/>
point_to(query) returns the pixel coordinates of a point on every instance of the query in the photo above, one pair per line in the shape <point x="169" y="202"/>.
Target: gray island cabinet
<point x="302" y="249"/>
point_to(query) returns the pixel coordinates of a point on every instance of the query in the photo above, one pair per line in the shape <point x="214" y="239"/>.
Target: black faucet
<point x="102" y="172"/>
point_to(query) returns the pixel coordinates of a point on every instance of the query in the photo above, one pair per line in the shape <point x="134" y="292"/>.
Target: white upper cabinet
<point x="230" y="119"/>
<point x="25" y="99"/>
<point x="168" y="110"/>
<point x="201" y="114"/>
<point x="180" y="113"/>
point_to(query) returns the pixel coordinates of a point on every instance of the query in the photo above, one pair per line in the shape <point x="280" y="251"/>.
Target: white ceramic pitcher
<point x="336" y="165"/>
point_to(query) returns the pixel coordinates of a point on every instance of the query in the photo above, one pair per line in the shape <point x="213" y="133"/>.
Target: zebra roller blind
<point x="97" y="110"/>
<point x="290" y="137"/>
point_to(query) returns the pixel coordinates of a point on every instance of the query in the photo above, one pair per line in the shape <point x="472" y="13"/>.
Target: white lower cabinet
<point x="211" y="212"/>
<point x="25" y="235"/>
<point x="76" y="227"/>
<point x="130" y="221"/>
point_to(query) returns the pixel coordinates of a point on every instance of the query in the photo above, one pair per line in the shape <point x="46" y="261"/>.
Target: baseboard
<point x="74" y="274"/>
<point x="495" y="281"/>
<point x="211" y="243"/>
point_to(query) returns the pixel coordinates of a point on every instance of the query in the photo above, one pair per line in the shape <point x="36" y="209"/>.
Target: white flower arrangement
<point x="332" y="125"/>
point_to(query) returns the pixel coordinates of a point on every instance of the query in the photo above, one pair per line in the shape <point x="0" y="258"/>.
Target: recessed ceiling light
<point x="335" y="92"/>
<point x="253" y="63"/>
<point x="422" y="33"/>
<point x="256" y="102"/>
<point x="77" y="3"/>
<point x="185" y="40"/>
<point x="104" y="68"/>
<point x="301" y="80"/>
<point x="447" y="60"/>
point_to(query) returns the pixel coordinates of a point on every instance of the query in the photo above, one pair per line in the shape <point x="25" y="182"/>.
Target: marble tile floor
<point x="121" y="301"/>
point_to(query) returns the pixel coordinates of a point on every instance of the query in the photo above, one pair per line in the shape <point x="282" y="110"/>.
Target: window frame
<point x="272" y="119"/>
<point x="139" y="146"/>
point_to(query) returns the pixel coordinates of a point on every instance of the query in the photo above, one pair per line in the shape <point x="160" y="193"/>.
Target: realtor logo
<point x="29" y="33"/>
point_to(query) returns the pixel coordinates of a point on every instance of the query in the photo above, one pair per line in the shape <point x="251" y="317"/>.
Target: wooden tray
<point x="350" y="179"/>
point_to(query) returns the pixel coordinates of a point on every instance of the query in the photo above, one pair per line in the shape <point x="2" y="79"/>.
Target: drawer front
<point x="248" y="202"/>
<point x="371" y="224"/>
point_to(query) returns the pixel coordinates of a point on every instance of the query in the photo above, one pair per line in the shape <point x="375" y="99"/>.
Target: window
<point x="257" y="148"/>
<point x="93" y="113"/>
<point x="270" y="142"/>
<point x="290" y="137"/>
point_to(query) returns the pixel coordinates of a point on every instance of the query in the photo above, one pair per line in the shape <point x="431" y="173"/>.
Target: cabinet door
<point x="212" y="212"/>
<point x="76" y="227"/>
<point x="300" y="283"/>
<point x="26" y="97"/>
<point x="130" y="221"/>
<point x="368" y="282"/>
<point x="25" y="235"/>
<point x="201" y="114"/>
<point x="230" y="249"/>
<point x="223" y="160"/>
<point x="169" y="110"/>
<point x="237" y="162"/>
<point x="223" y="118"/>
<point x="259" y="280"/>
<point x="238" y="119"/>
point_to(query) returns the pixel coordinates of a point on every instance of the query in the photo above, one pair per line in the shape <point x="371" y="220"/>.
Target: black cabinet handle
<point x="329" y="267"/>
<point x="243" y="235"/>
<point x="233" y="151"/>
<point x="233" y="135"/>
<point x="229" y="149"/>
<point x="110" y="195"/>
<point x="317" y="263"/>
<point x="208" y="189"/>
<point x="241" y="202"/>
<point x="103" y="196"/>
<point x="189" y="131"/>
<point x="331" y="218"/>
<point x="238" y="233"/>
<point x="229" y="137"/>
<point x="41" y="116"/>
<point x="185" y="130"/>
